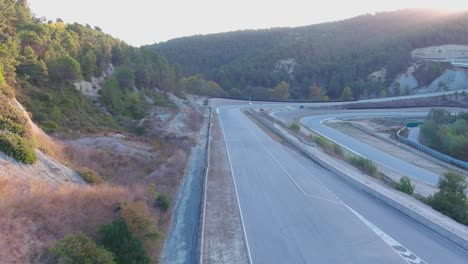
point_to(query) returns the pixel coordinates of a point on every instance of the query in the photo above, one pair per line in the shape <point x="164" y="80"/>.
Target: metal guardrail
<point x="432" y="152"/>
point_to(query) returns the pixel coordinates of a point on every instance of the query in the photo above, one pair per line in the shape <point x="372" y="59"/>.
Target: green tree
<point x="346" y="94"/>
<point x="451" y="199"/>
<point x="31" y="67"/>
<point x="440" y="116"/>
<point x="281" y="91"/>
<point x="404" y="185"/>
<point x="2" y="75"/>
<point x="429" y="131"/>
<point x="88" y="65"/>
<point x="125" y="77"/>
<point x="117" y="238"/>
<point x="64" y="69"/>
<point x="112" y="95"/>
<point x="78" y="249"/>
<point x="315" y="92"/>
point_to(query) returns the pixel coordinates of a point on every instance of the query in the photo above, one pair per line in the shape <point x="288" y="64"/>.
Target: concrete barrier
<point x="448" y="234"/>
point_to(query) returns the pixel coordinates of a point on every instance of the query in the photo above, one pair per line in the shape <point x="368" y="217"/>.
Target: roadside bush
<point x="338" y="150"/>
<point x="78" y="249"/>
<point x="328" y="146"/>
<point x="295" y="127"/>
<point x="162" y="202"/>
<point x="140" y="220"/>
<point x="451" y="199"/>
<point x="17" y="147"/>
<point x="404" y="185"/>
<point x="365" y="165"/>
<point x="321" y="142"/>
<point x="117" y="238"/>
<point x="90" y="176"/>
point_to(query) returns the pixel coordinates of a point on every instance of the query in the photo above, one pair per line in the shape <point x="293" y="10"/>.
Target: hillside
<point x="94" y="139"/>
<point x="318" y="59"/>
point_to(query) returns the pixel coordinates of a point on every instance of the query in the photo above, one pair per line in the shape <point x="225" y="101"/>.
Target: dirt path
<point x="223" y="236"/>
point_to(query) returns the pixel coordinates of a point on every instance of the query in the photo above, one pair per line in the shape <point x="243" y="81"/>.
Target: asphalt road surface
<point x="294" y="211"/>
<point x="372" y="153"/>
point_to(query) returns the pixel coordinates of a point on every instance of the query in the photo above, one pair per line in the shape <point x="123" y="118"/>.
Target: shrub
<point x="162" y="202"/>
<point x="140" y="220"/>
<point x="7" y="90"/>
<point x="295" y="127"/>
<point x="404" y="185"/>
<point x="451" y="199"/>
<point x="78" y="249"/>
<point x="117" y="238"/>
<point x="338" y="150"/>
<point x="329" y="147"/>
<point x="50" y="126"/>
<point x="90" y="176"/>
<point x="12" y="126"/>
<point x="364" y="165"/>
<point x="17" y="147"/>
<point x="321" y="142"/>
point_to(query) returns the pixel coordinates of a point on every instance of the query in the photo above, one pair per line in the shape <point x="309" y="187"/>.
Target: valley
<point x="337" y="142"/>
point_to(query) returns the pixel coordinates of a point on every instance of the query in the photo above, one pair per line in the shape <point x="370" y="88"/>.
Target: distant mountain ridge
<point x="330" y="56"/>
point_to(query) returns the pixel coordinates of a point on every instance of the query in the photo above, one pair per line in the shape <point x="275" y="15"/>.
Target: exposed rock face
<point x="91" y="88"/>
<point x="444" y="52"/>
<point x="286" y="65"/>
<point x="406" y="82"/>
<point x="455" y="79"/>
<point x="379" y="76"/>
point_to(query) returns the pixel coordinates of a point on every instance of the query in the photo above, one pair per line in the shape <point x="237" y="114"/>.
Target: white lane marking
<point x="237" y="195"/>
<point x="287" y="173"/>
<point x="389" y="240"/>
<point x="385" y="237"/>
<point x="217" y="110"/>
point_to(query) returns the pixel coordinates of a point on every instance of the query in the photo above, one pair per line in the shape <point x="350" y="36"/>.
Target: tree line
<point x="40" y="60"/>
<point x="331" y="56"/>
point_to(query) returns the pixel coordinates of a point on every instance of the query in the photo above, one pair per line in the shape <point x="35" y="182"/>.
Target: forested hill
<point x="316" y="59"/>
<point x="41" y="60"/>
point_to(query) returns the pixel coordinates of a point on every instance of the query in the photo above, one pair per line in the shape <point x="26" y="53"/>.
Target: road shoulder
<point x="223" y="239"/>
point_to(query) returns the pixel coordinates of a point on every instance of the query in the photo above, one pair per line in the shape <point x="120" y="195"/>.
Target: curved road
<point x="401" y="166"/>
<point x="294" y="211"/>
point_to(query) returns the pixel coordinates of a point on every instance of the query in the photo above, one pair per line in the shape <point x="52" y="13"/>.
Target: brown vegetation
<point x="34" y="214"/>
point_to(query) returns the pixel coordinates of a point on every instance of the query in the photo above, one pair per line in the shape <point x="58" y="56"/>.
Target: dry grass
<point x="161" y="170"/>
<point x="50" y="147"/>
<point x="162" y="166"/>
<point x="195" y="119"/>
<point x="43" y="141"/>
<point x="34" y="214"/>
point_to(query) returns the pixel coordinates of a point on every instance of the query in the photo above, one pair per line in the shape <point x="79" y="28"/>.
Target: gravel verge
<point x="222" y="233"/>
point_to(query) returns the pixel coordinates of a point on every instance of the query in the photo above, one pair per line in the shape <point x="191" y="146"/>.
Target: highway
<point x="403" y="167"/>
<point x="294" y="211"/>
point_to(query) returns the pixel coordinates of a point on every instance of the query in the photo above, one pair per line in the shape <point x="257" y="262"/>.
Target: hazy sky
<point x="140" y="22"/>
